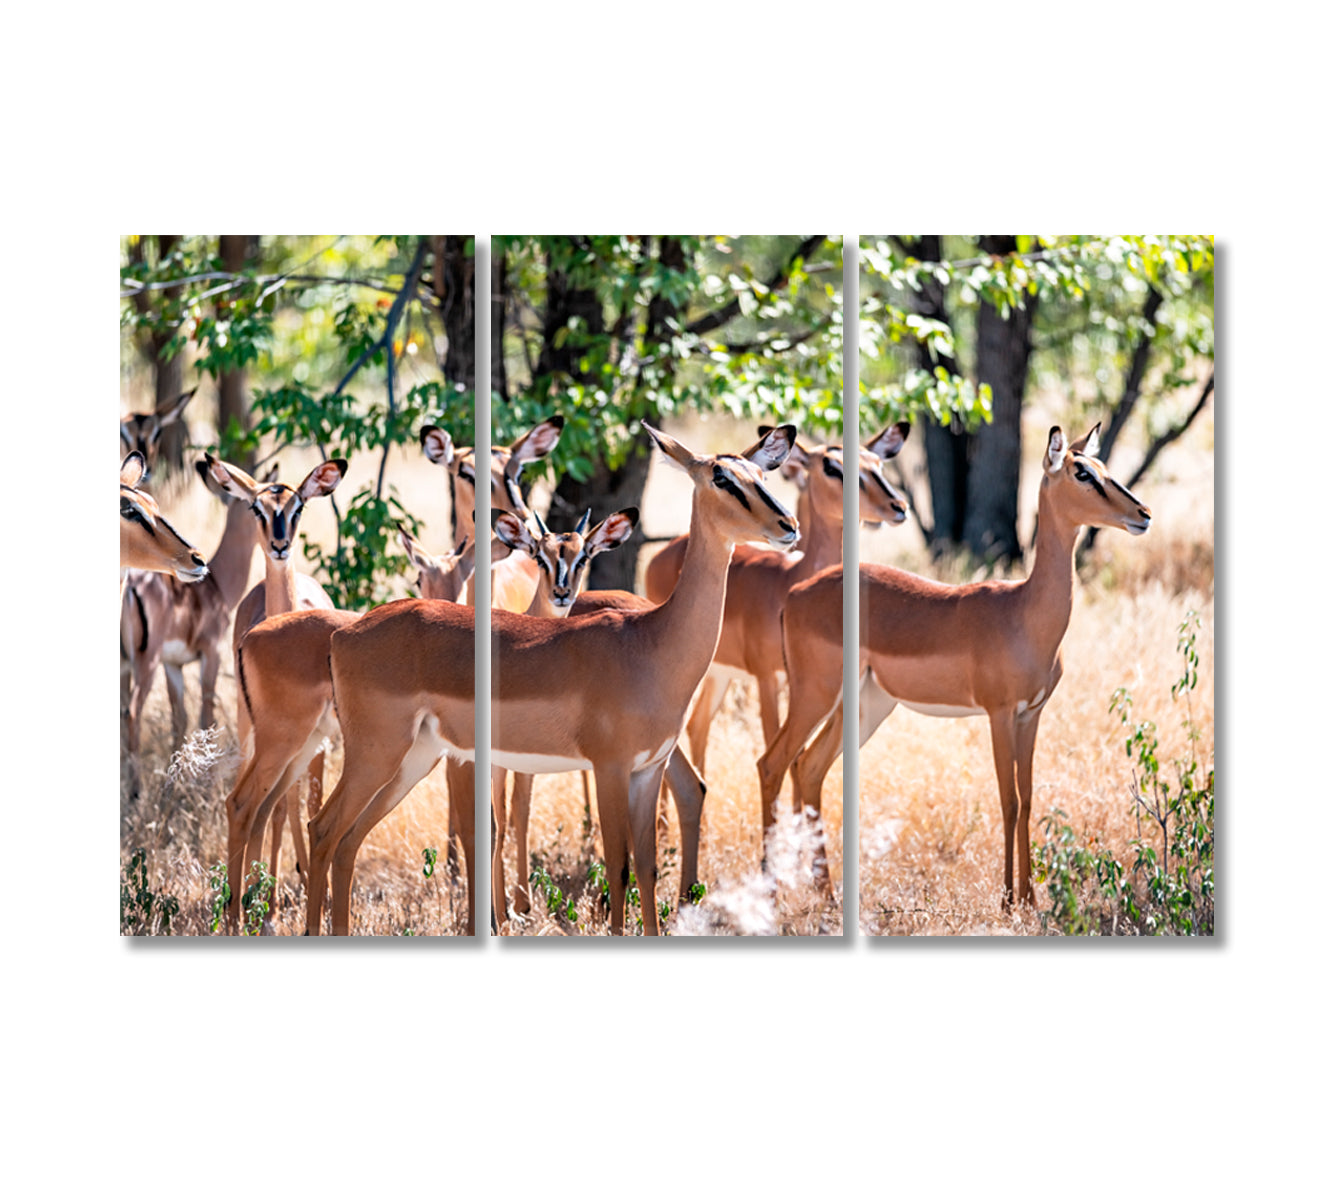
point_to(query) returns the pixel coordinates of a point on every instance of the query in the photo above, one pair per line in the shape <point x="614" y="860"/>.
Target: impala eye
<point x="1082" y="475"/>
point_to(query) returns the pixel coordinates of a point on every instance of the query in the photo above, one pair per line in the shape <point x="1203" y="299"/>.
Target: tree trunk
<point x="235" y="250"/>
<point x="609" y="491"/>
<point x="991" y="526"/>
<point x="453" y="283"/>
<point x="946" y="447"/>
<point x="499" y="381"/>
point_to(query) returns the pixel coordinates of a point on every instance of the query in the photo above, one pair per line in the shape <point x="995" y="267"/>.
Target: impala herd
<point x="603" y="682"/>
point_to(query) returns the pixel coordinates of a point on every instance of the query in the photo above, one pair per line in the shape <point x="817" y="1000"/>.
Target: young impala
<point x="277" y="509"/>
<point x="991" y="648"/>
<point x="608" y="690"/>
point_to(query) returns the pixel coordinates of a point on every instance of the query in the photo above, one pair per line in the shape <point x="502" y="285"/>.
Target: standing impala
<point x="609" y="690"/>
<point x="163" y="622"/>
<point x="991" y="648"/>
<point x="147" y="541"/>
<point x="514" y="579"/>
<point x="282" y="670"/>
<point x="563" y="560"/>
<point x="759" y="580"/>
<point x="277" y="510"/>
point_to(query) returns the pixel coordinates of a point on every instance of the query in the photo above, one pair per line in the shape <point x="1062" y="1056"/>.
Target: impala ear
<point x="888" y="442"/>
<point x="512" y="530"/>
<point x="132" y="469"/>
<point x="323" y="479"/>
<point x="418" y="556"/>
<point x="439" y="446"/>
<point x="500" y="551"/>
<point x="232" y="480"/>
<point x="669" y="446"/>
<point x="536" y="443"/>
<point x="612" y="532"/>
<point x="1056" y="451"/>
<point x="170" y="411"/>
<point x="771" y="451"/>
<point x="270" y="476"/>
<point x="1088" y="444"/>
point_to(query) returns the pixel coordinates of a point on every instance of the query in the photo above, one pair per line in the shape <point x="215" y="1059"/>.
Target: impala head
<point x="142" y="432"/>
<point x="878" y="500"/>
<point x="506" y="464"/>
<point x="276" y="506"/>
<point x="564" y="558"/>
<point x="147" y="541"/>
<point x="730" y="494"/>
<point x="441" y="576"/>
<point x="1078" y="483"/>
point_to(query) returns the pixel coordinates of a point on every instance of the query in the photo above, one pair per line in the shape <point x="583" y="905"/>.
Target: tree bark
<point x="991" y="526"/>
<point x="235" y="250"/>
<point x="453" y="284"/>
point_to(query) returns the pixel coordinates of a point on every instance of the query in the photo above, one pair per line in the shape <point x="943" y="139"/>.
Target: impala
<point x="563" y="560"/>
<point x="282" y="669"/>
<point x="759" y="580"/>
<point x="163" y="622"/>
<point x="142" y="432"/>
<point x="147" y="541"/>
<point x="991" y="648"/>
<point x="607" y="691"/>
<point x="277" y="509"/>
<point x="514" y="580"/>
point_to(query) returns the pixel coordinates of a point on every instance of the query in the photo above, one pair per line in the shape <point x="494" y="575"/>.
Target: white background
<point x="942" y="1067"/>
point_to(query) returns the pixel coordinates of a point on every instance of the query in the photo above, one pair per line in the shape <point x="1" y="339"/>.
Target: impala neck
<point x="1050" y="587"/>
<point x="689" y="621"/>
<point x="279" y="586"/>
<point x="230" y="565"/>
<point x="823" y="543"/>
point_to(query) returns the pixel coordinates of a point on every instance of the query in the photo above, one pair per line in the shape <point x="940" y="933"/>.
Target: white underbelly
<point x="177" y="653"/>
<point x="538" y="764"/>
<point x="941" y="710"/>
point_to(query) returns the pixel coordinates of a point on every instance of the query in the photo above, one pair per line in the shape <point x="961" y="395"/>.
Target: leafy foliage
<point x="1169" y="888"/>
<point x="143" y="911"/>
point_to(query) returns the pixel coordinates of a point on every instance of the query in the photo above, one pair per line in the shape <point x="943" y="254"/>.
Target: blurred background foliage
<point x="353" y="342"/>
<point x="1120" y="325"/>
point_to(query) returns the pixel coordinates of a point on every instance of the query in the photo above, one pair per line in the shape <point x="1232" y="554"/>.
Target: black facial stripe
<point x="831" y="468"/>
<point x="1129" y="495"/>
<point x="882" y="485"/>
<point x="130" y="512"/>
<point x="726" y="482"/>
<point x="770" y="501"/>
<point x="512" y="490"/>
<point x="167" y="525"/>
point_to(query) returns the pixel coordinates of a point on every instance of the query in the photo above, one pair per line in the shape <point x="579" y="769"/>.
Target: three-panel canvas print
<point x="630" y="480"/>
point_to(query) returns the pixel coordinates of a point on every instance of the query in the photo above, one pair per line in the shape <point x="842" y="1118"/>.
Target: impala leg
<point x="461" y="782"/>
<point x="688" y="791"/>
<point x="613" y="811"/>
<point x="643" y="804"/>
<point x="499" y="825"/>
<point x="175" y="678"/>
<point x="209" y="662"/>
<point x="465" y="821"/>
<point x="414" y="767"/>
<point x="811" y="767"/>
<point x="521" y="799"/>
<point x="272" y="779"/>
<point x="808" y="707"/>
<point x="708" y="700"/>
<point x="1025" y="741"/>
<point x="1003" y="751"/>
<point x="314" y="776"/>
<point x="364" y="775"/>
<point x="277" y="819"/>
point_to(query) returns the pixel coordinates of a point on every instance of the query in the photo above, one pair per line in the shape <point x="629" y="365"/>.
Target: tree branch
<point x="720" y="316"/>
<point x="1139" y="362"/>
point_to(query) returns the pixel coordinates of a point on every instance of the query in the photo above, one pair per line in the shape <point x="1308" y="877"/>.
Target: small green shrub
<point x="142" y="911"/>
<point x="1169" y="888"/>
